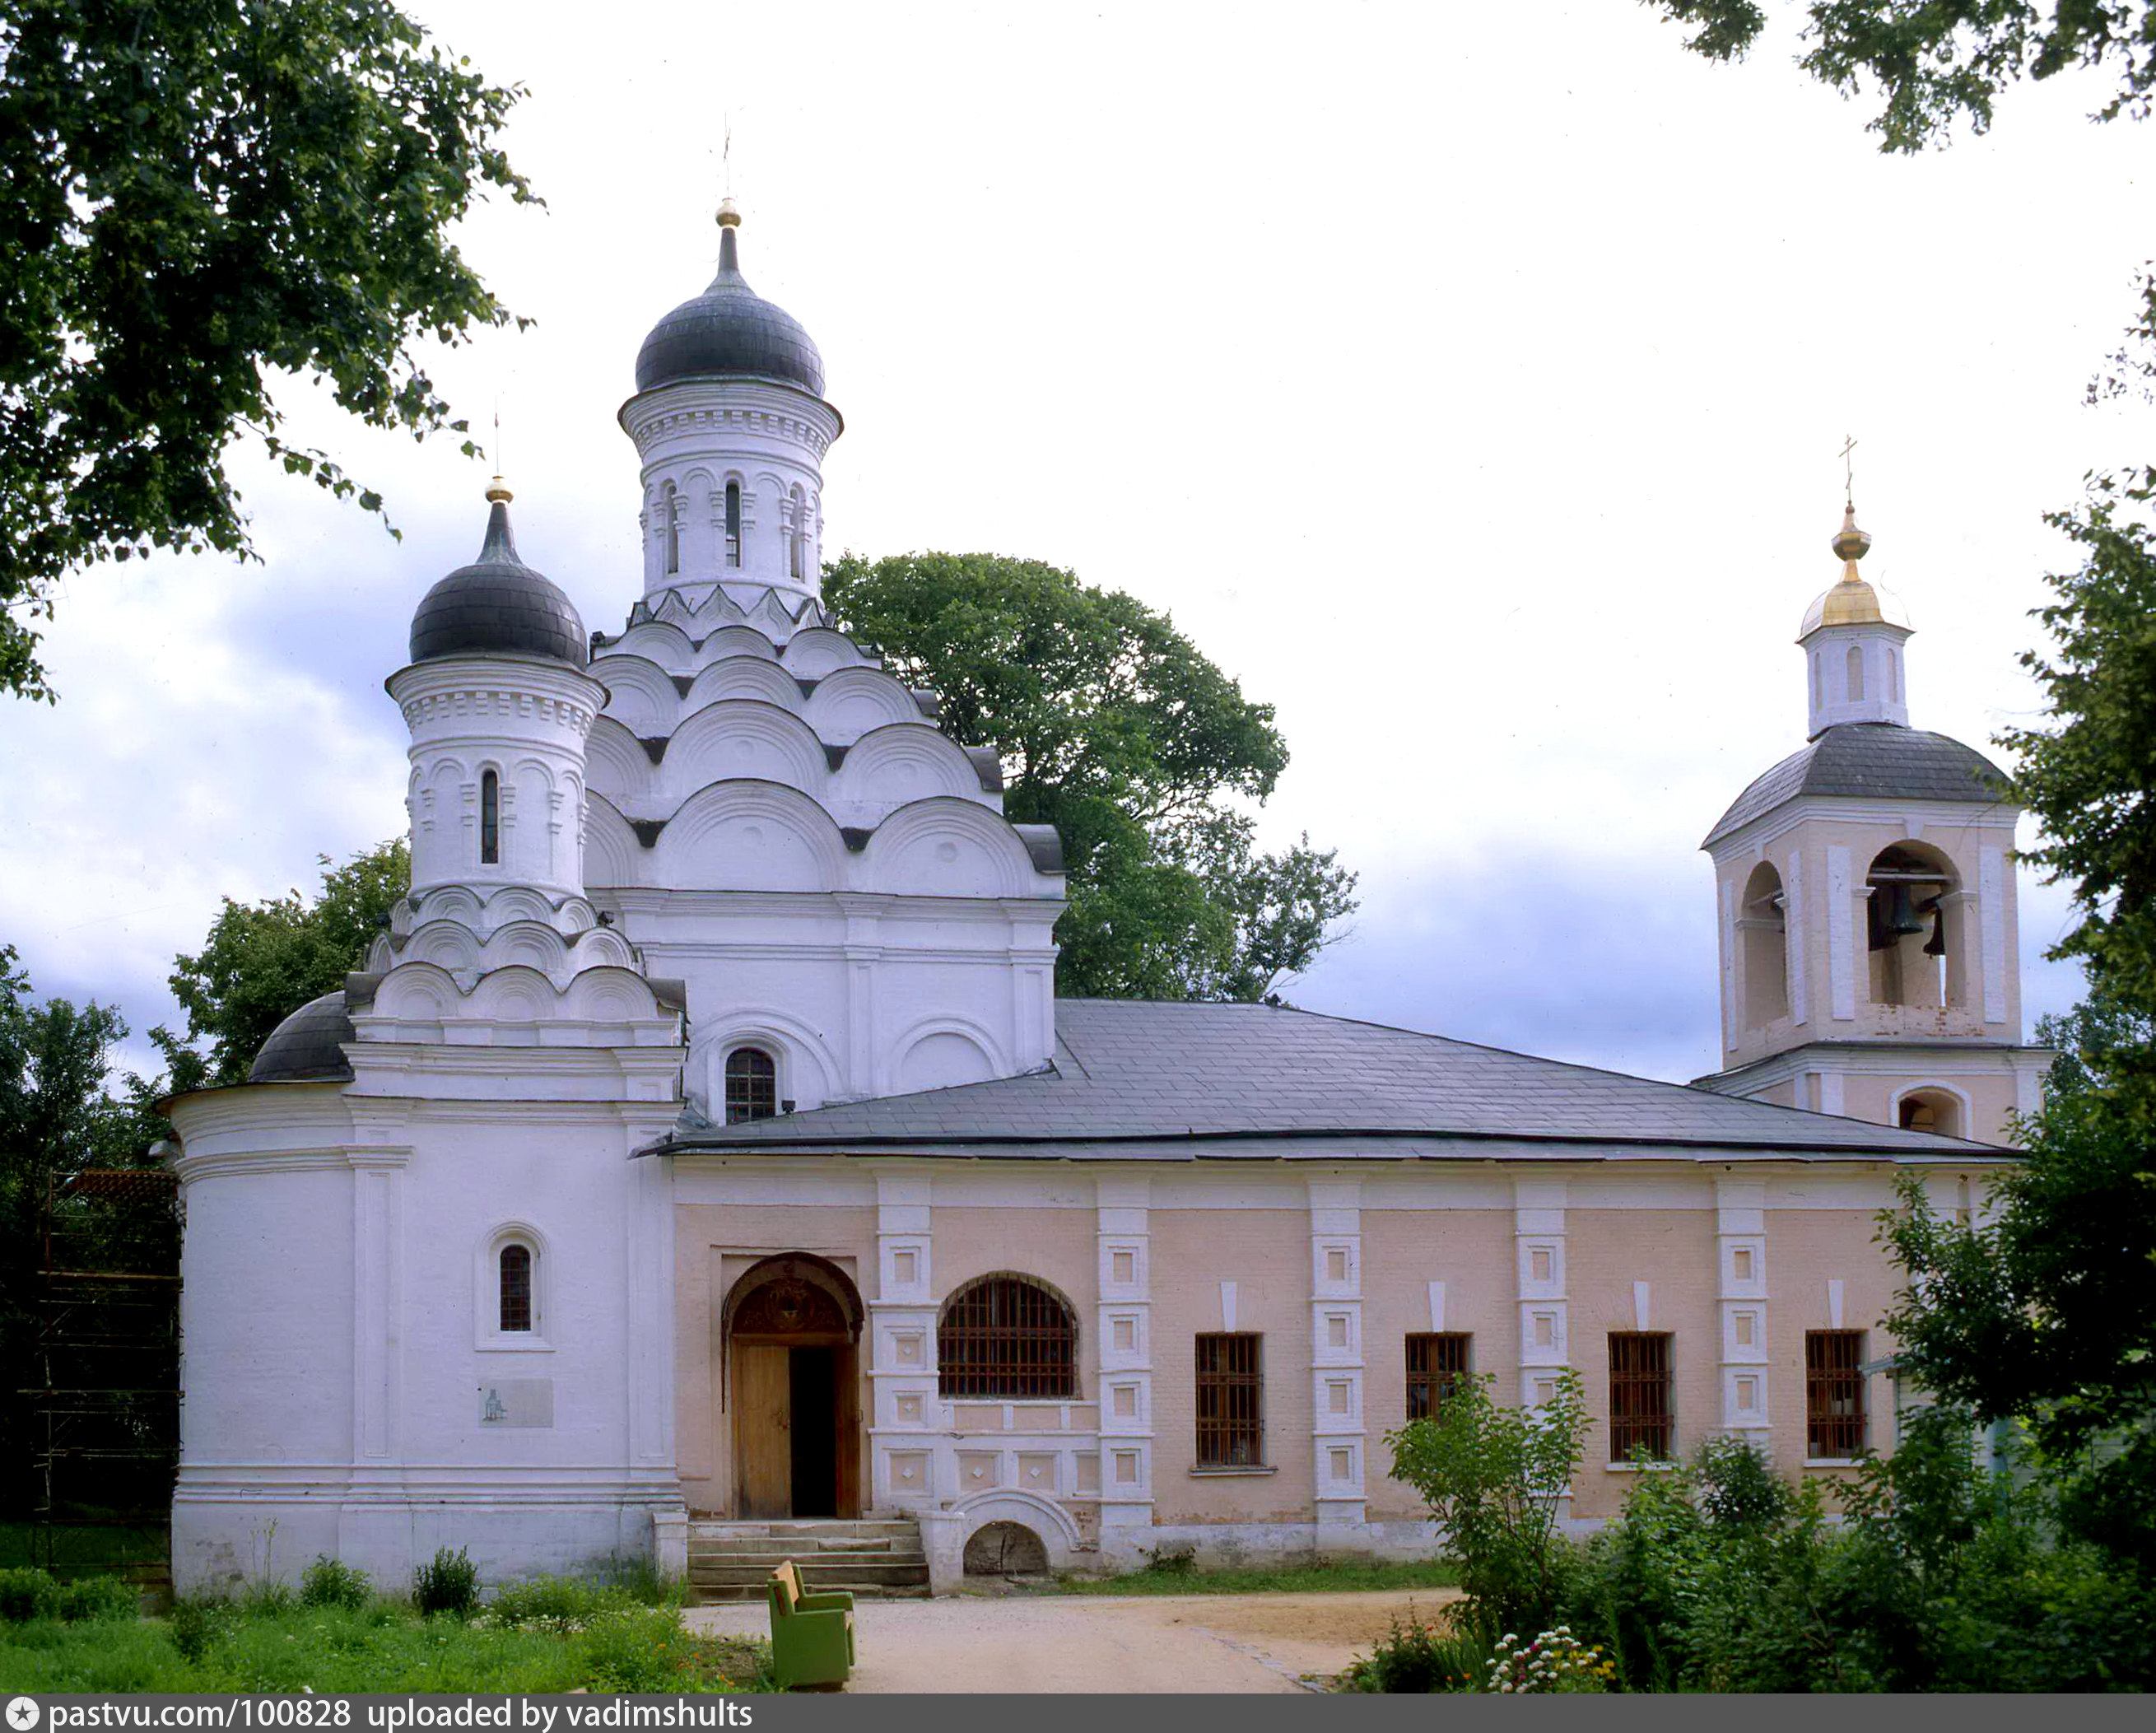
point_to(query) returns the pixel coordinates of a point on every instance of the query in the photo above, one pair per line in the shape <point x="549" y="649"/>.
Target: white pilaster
<point x="1841" y="916"/>
<point x="1741" y="1258"/>
<point x="1793" y="914"/>
<point x="1338" y="1438"/>
<point x="909" y="1419"/>
<point x="1123" y="1367"/>
<point x="1538" y="1247"/>
<point x="1991" y="919"/>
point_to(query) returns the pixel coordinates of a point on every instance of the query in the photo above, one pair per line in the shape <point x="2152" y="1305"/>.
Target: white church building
<point x="703" y="1166"/>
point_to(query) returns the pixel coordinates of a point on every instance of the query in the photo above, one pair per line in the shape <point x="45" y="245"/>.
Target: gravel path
<point x="1096" y="1642"/>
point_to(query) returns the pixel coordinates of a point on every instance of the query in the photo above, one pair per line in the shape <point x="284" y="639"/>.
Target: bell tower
<point x="1866" y="900"/>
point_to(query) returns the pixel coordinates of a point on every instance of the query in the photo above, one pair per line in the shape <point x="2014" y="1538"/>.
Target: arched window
<point x="1893" y="675"/>
<point x="490" y="819"/>
<point x="671" y="527"/>
<point x="1856" y="673"/>
<point x="1819" y="697"/>
<point x="733" y="523"/>
<point x="1930" y="1110"/>
<point x="517" y="1298"/>
<point x="752" y="1085"/>
<point x="1761" y="929"/>
<point x="1009" y="1336"/>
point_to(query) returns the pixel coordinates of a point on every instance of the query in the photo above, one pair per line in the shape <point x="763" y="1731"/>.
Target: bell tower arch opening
<point x="1912" y="928"/>
<point x="1762" y="932"/>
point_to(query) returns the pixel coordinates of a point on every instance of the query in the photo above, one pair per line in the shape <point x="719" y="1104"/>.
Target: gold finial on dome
<point x="729" y="214"/>
<point x="498" y="493"/>
<point x="1851" y="544"/>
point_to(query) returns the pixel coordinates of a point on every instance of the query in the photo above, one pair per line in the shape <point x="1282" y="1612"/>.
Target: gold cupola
<point x="1853" y="601"/>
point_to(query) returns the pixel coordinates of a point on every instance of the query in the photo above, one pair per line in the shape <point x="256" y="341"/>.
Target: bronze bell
<point x="1936" y="945"/>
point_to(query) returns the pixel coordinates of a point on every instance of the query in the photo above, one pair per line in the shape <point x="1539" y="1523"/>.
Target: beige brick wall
<point x="1266" y="1254"/>
<point x="1403" y="1251"/>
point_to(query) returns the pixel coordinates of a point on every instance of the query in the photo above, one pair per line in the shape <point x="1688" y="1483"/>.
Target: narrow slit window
<point x="515" y="1289"/>
<point x="752" y="1085"/>
<point x="1642" y="1417"/>
<point x="1834" y="1393"/>
<point x="1437" y="1364"/>
<point x="733" y="523"/>
<point x="1855" y="674"/>
<point x="671" y="527"/>
<point x="490" y="819"/>
<point x="1231" y="1401"/>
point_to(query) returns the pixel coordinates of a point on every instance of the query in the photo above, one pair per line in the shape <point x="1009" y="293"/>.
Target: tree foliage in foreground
<point x="262" y="961"/>
<point x="1939" y="62"/>
<point x="196" y="195"/>
<point x="1116" y="730"/>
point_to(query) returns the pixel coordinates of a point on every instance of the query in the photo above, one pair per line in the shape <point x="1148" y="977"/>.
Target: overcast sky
<point x="1467" y="380"/>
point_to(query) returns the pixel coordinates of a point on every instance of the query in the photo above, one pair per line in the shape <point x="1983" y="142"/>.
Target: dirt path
<point x="1095" y="1643"/>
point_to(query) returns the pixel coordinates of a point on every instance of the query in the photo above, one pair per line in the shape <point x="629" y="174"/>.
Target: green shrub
<point x="449" y="1583"/>
<point x="1493" y="1477"/>
<point x="641" y="1580"/>
<point x="267" y="1598"/>
<point x="25" y="1594"/>
<point x="1416" y="1658"/>
<point x="196" y="1625"/>
<point x="555" y="1603"/>
<point x="331" y="1582"/>
<point x="89" y="1599"/>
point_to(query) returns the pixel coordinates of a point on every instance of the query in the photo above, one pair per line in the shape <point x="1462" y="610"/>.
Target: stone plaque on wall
<point x="516" y="1402"/>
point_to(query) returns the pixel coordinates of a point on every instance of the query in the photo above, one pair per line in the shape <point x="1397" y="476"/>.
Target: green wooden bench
<point x="812" y="1636"/>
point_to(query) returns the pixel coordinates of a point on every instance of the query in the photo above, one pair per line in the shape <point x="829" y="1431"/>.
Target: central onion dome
<point x="1853" y="601"/>
<point x="499" y="605"/>
<point x="730" y="331"/>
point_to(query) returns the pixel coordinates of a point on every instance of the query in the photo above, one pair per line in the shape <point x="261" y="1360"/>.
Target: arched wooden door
<point x="792" y="1332"/>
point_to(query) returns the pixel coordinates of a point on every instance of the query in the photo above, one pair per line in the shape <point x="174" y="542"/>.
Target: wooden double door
<point x="796" y="1428"/>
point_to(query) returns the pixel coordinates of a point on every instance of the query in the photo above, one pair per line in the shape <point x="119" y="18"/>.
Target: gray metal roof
<point x="1146" y="1078"/>
<point x="1870" y="761"/>
<point x="307" y="1047"/>
<point x="729" y="330"/>
<point x="498" y="604"/>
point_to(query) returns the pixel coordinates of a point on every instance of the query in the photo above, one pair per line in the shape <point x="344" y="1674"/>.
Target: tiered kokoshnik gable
<point x="775" y="818"/>
<point x="497" y="933"/>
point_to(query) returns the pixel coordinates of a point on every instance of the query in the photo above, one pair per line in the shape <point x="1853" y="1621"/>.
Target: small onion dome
<point x="1853" y="602"/>
<point x="498" y="604"/>
<point x="729" y="330"/>
<point x="308" y="1045"/>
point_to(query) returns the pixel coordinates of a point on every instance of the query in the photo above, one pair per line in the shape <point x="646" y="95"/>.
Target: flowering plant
<point x="1554" y="1661"/>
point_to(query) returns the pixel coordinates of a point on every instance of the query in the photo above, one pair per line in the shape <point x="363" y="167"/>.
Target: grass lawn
<point x="1312" y="1576"/>
<point x="563" y="1636"/>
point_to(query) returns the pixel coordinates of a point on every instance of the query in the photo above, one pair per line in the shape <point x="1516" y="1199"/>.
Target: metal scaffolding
<point x="106" y="1411"/>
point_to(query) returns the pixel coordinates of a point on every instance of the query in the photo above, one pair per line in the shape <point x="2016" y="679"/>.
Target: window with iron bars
<point x="1008" y="1336"/>
<point x="1231" y="1401"/>
<point x="752" y="1085"/>
<point x="1642" y="1415"/>
<point x="515" y="1289"/>
<point x="1437" y="1363"/>
<point x="1833" y="1392"/>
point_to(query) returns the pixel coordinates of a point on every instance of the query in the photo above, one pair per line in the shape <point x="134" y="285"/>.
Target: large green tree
<point x="1142" y="754"/>
<point x="262" y="961"/>
<point x="197" y="196"/>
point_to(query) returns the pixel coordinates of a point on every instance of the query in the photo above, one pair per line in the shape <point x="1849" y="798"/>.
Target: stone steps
<point x="873" y="1559"/>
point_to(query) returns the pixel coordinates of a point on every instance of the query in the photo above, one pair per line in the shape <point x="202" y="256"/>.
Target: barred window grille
<point x="515" y="1289"/>
<point x="1437" y="1362"/>
<point x="1833" y="1392"/>
<point x="490" y="819"/>
<point x="1640" y="1412"/>
<point x="752" y="1085"/>
<point x="1007" y="1336"/>
<point x="733" y="523"/>
<point x="1231" y="1401"/>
